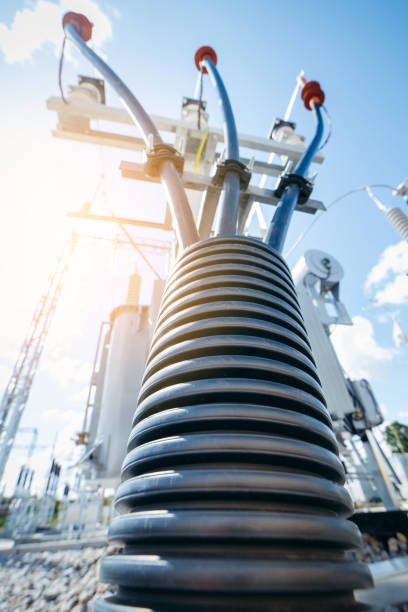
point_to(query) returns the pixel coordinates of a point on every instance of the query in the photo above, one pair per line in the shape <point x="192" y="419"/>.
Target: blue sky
<point x="356" y="50"/>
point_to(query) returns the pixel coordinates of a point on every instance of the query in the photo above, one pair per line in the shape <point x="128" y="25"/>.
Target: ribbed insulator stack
<point x="232" y="495"/>
<point x="399" y="220"/>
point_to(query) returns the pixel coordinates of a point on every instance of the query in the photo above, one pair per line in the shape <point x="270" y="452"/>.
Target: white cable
<point x="376" y="200"/>
<point x="317" y="217"/>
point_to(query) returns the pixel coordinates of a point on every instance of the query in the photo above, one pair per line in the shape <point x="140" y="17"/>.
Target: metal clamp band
<point x="305" y="186"/>
<point x="159" y="154"/>
<point x="232" y="165"/>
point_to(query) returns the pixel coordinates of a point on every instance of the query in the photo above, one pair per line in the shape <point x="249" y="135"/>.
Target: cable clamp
<point x="287" y="180"/>
<point x="160" y="153"/>
<point x="232" y="165"/>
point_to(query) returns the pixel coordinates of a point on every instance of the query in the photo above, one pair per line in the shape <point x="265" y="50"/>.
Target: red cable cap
<point x="311" y="92"/>
<point x="202" y="53"/>
<point x="82" y="24"/>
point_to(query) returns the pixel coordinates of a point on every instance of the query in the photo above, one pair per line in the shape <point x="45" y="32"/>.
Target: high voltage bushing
<point x="232" y="492"/>
<point x="399" y="220"/>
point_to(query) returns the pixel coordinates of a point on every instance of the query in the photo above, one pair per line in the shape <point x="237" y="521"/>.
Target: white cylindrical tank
<point x="127" y="352"/>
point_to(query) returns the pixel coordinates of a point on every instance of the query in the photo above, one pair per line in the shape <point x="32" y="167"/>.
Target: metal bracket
<point x="232" y="165"/>
<point x="200" y="182"/>
<point x="159" y="154"/>
<point x="305" y="186"/>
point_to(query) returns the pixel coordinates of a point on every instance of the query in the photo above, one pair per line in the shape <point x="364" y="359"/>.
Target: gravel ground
<point x="51" y="581"/>
<point x="68" y="580"/>
<point x="373" y="550"/>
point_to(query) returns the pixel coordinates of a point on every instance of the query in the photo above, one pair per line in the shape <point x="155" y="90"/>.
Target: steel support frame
<point x="201" y="182"/>
<point x="78" y="112"/>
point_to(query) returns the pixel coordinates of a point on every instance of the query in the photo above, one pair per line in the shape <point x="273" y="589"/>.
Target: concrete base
<point x="391" y="584"/>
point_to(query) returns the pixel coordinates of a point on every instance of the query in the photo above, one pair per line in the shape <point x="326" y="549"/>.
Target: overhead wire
<point x="329" y="127"/>
<point x="138" y="249"/>
<point x="376" y="200"/>
<point x="60" y="66"/>
<point x="102" y="184"/>
<point x="200" y="98"/>
<point x="318" y="216"/>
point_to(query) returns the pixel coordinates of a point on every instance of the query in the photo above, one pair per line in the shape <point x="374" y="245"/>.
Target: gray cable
<point x="176" y="196"/>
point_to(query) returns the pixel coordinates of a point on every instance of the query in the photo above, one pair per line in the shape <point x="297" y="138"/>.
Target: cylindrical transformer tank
<point x="129" y="342"/>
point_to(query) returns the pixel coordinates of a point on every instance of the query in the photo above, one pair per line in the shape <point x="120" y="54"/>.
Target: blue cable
<point x="279" y="226"/>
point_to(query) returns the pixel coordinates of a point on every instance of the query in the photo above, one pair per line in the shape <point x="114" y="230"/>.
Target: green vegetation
<point x="396" y="435"/>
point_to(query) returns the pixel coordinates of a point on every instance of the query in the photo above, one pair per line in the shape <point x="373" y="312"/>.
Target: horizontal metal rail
<point x="200" y="182"/>
<point x="102" y="112"/>
<point x="122" y="220"/>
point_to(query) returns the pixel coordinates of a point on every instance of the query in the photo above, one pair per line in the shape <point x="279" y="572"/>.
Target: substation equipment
<point x="18" y="388"/>
<point x="232" y="491"/>
<point x="27" y="513"/>
<point x="118" y="369"/>
<point x="352" y="404"/>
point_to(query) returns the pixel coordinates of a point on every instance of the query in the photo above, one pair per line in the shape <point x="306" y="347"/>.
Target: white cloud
<point x="61" y="416"/>
<point x="34" y="27"/>
<point x="389" y="276"/>
<point x="403" y="415"/>
<point x="357" y="349"/>
<point x="394" y="292"/>
<point x="67" y="371"/>
<point x="384" y="411"/>
<point x="79" y="397"/>
<point x="393" y="260"/>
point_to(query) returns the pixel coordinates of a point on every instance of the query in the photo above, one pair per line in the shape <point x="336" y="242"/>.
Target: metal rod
<point x="262" y="182"/>
<point x="115" y="219"/>
<point x="229" y="201"/>
<point x="387" y="461"/>
<point x="279" y="226"/>
<point x="292" y="100"/>
<point x="181" y="212"/>
<point x="391" y="501"/>
<point x="88" y="401"/>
